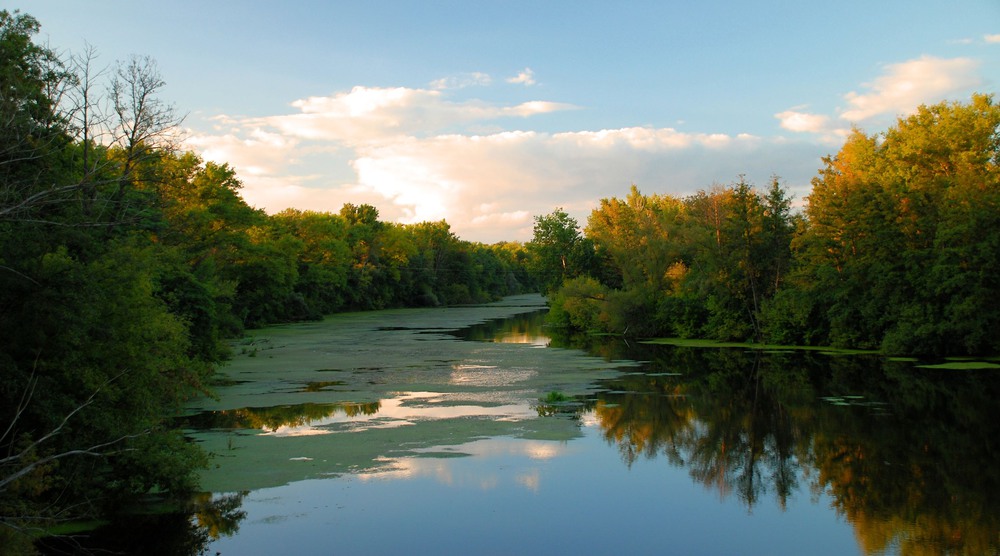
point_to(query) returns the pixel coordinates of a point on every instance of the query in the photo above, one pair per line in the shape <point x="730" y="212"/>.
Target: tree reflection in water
<point x="218" y="516"/>
<point x="907" y="454"/>
<point x="186" y="531"/>
<point x="273" y="418"/>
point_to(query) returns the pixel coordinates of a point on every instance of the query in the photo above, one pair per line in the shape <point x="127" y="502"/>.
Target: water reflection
<point x="189" y="530"/>
<point x="910" y="462"/>
<point x="405" y="408"/>
<point x="277" y="418"/>
<point x="435" y="463"/>
<point x="907" y="456"/>
<point x="525" y="328"/>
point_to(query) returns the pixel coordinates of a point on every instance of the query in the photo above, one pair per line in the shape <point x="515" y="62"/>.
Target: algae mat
<point x="362" y="392"/>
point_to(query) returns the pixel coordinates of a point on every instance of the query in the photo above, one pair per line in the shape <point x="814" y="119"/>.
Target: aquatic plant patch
<point x="344" y="394"/>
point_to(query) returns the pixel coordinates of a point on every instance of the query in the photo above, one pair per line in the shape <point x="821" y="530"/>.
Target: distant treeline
<point x="897" y="249"/>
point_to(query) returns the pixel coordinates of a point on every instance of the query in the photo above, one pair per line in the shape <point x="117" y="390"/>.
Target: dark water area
<point x="695" y="451"/>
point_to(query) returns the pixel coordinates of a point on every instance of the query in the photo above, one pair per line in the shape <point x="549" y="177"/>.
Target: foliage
<point x="898" y="249"/>
<point x="557" y="251"/>
<point x="700" y="266"/>
<point x="579" y="304"/>
<point x="555" y="396"/>
<point x="901" y="251"/>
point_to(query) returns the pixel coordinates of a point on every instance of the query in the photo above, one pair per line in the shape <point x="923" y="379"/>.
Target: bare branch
<point x="89" y="114"/>
<point x="91" y="451"/>
<point x="24" y="453"/>
<point x="26" y="396"/>
<point x="144" y="121"/>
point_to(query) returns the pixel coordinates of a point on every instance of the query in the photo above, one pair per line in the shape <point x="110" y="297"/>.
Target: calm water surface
<point x="695" y="451"/>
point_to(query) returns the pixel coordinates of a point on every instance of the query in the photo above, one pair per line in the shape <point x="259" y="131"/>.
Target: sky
<point x="488" y="114"/>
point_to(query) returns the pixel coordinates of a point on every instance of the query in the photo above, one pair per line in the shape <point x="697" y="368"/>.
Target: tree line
<point x="125" y="264"/>
<point x="897" y="249"/>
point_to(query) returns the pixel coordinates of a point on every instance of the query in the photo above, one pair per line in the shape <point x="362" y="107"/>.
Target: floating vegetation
<point x="854" y="400"/>
<point x="557" y="403"/>
<point x="555" y="397"/>
<point x="700" y="343"/>
<point x="323" y="385"/>
<point x="962" y="365"/>
<point x="439" y="454"/>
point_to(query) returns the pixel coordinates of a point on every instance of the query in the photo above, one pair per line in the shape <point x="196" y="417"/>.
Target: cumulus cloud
<point x="413" y="154"/>
<point x="524" y="77"/>
<point x="897" y="92"/>
<point x="370" y="113"/>
<point x="793" y="120"/>
<point x="992" y="39"/>
<point x="253" y="150"/>
<point x="490" y="186"/>
<point x="906" y="85"/>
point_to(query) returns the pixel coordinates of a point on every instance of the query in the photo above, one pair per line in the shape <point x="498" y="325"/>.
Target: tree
<point x="324" y="260"/>
<point x="32" y="131"/>
<point x="96" y="353"/>
<point x="636" y="237"/>
<point x="144" y="121"/>
<point x="435" y="265"/>
<point x="106" y="364"/>
<point x="741" y="244"/>
<point x="557" y="250"/>
<point x="900" y="248"/>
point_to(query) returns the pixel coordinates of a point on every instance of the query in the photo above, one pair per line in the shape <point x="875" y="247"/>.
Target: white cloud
<point x="461" y="81"/>
<point x="531" y="108"/>
<point x="525" y="77"/>
<point x="365" y="114"/>
<point x="904" y="86"/>
<point x="488" y="187"/>
<point x="794" y="120"/>
<point x="253" y="150"/>
<point x="992" y="39"/>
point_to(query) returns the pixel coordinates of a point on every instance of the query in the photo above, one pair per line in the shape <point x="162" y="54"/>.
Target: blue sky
<point x="488" y="114"/>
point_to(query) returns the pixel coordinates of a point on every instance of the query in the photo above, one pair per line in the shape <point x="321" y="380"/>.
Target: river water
<point x="477" y="430"/>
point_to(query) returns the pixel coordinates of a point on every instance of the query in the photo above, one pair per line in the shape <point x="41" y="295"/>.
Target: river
<point x="476" y="430"/>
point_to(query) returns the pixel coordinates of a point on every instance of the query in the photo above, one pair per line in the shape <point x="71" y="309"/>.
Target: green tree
<point x="513" y="257"/>
<point x="557" y="250"/>
<point x="97" y="352"/>
<point x="741" y="248"/>
<point x="941" y="166"/>
<point x="636" y="239"/>
<point x="899" y="252"/>
<point x="580" y="304"/>
<point x="32" y="131"/>
<point x="203" y="220"/>
<point x="324" y="260"/>
<point x="437" y="266"/>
